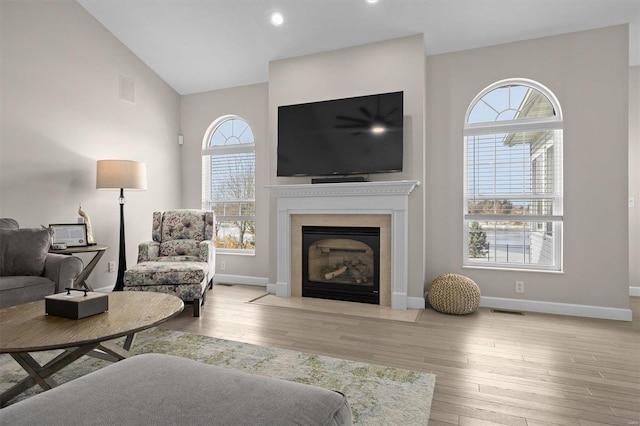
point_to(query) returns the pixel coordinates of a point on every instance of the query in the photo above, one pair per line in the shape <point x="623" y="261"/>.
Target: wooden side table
<point x="80" y="280"/>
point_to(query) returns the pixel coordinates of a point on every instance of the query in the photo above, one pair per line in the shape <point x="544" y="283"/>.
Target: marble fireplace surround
<point x="379" y="204"/>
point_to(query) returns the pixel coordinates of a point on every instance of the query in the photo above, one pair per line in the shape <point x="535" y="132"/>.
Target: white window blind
<point x="228" y="173"/>
<point x="513" y="179"/>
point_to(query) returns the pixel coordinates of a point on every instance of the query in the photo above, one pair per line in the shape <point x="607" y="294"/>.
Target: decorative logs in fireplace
<point x="341" y="263"/>
<point x="356" y="271"/>
<point x="329" y="275"/>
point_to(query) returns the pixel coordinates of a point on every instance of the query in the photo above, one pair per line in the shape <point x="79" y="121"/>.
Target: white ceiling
<point x="201" y="45"/>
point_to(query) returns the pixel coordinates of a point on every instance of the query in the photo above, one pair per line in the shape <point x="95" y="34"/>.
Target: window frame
<point x="207" y="152"/>
<point x="496" y="127"/>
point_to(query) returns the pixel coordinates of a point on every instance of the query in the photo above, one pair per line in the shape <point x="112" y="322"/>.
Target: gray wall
<point x="61" y="112"/>
<point x="589" y="73"/>
<point x="198" y="111"/>
<point x="634" y="178"/>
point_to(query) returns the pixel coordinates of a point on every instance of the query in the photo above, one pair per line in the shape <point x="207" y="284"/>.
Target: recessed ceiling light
<point x="277" y="19"/>
<point x="372" y="1"/>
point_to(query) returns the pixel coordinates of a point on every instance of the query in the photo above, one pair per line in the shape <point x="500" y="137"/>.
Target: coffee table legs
<point x="41" y="374"/>
<point x="111" y="352"/>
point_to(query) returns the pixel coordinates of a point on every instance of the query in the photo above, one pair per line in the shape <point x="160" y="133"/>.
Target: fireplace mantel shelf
<point x="347" y="189"/>
<point x="353" y="198"/>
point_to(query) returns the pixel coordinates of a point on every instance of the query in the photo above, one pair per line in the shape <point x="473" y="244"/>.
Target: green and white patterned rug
<point x="377" y="395"/>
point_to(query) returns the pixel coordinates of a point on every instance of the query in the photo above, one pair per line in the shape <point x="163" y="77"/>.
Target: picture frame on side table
<point x="71" y="234"/>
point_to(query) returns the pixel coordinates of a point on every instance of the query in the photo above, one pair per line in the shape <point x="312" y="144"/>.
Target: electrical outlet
<point x="519" y="286"/>
<point x="111" y="266"/>
<point x="223" y="265"/>
<point x="632" y="202"/>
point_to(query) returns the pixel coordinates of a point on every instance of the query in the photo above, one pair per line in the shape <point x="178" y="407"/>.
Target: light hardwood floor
<point x="491" y="368"/>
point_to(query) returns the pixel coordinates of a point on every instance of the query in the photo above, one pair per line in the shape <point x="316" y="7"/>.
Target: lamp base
<point x="122" y="254"/>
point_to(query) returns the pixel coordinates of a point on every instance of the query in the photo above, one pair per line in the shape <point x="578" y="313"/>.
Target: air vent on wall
<point x="127" y="90"/>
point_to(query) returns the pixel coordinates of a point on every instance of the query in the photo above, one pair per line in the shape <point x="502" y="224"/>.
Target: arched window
<point x="513" y="178"/>
<point x="228" y="182"/>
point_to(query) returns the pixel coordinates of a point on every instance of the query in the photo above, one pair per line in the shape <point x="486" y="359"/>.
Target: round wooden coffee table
<point x="26" y="328"/>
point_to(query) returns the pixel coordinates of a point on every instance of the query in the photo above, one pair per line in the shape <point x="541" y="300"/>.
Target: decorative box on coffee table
<point x="76" y="304"/>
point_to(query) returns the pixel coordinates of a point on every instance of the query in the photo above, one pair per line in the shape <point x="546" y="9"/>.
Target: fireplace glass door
<point x="341" y="263"/>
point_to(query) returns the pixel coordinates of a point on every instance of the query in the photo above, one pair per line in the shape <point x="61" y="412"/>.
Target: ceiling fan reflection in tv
<point x="375" y="123"/>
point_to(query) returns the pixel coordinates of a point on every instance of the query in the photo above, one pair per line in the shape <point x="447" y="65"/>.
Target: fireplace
<point x="307" y="204"/>
<point x="341" y="263"/>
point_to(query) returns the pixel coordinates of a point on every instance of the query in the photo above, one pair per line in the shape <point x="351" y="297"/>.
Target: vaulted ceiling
<point x="201" y="45"/>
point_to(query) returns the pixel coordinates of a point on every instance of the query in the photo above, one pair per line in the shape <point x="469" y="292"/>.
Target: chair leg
<point x="196" y="307"/>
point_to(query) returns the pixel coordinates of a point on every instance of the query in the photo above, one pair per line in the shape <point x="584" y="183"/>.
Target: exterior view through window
<point x="228" y="183"/>
<point x="513" y="178"/>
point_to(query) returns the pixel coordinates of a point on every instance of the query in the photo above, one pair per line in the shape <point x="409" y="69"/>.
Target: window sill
<point x="502" y="268"/>
<point x="233" y="252"/>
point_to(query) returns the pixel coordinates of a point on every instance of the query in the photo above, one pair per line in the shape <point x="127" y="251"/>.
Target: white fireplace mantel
<point x="363" y="198"/>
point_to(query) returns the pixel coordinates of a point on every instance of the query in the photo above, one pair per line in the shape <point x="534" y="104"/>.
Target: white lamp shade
<point x="116" y="174"/>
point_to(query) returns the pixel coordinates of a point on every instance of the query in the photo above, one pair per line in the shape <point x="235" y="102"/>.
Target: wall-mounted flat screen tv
<point x="359" y="135"/>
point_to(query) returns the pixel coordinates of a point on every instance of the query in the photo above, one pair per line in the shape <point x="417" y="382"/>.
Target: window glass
<point x="513" y="179"/>
<point x="228" y="171"/>
<point x="511" y="102"/>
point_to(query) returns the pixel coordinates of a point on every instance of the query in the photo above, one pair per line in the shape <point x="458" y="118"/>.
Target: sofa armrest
<point x="148" y="250"/>
<point x="62" y="270"/>
<point x="208" y="254"/>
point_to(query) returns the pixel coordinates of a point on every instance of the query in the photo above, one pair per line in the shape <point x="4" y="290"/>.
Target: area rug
<point x="377" y="395"/>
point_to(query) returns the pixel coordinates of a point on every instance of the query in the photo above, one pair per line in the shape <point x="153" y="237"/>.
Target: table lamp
<point x="121" y="174"/>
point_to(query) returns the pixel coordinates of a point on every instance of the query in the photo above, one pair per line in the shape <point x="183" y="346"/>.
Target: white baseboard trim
<point x="240" y="279"/>
<point x="279" y="289"/>
<point x="415" y="302"/>
<point x="634" y="291"/>
<point x="588" y="311"/>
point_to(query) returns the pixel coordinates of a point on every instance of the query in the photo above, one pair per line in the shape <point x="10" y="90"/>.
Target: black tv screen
<point x="359" y="135"/>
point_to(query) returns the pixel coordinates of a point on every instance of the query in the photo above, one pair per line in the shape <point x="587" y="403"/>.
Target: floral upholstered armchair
<point x="180" y="259"/>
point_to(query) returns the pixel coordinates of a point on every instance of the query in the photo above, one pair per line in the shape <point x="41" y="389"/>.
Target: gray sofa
<point x="154" y="389"/>
<point x="28" y="271"/>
